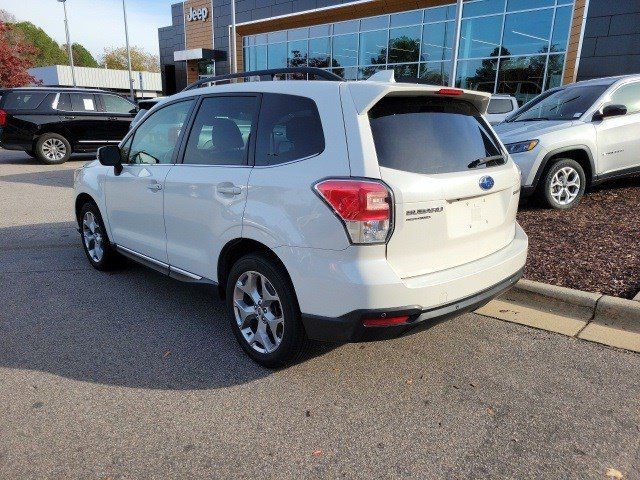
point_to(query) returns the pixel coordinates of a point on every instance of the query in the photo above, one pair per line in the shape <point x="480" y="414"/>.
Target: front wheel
<point x="52" y="149"/>
<point x="99" y="250"/>
<point x="563" y="185"/>
<point x="263" y="312"/>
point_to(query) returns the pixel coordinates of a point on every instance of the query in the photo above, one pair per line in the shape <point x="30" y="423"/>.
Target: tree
<point x="15" y="59"/>
<point x="7" y="17"/>
<point x="116" y="58"/>
<point x="81" y="56"/>
<point x="48" y="50"/>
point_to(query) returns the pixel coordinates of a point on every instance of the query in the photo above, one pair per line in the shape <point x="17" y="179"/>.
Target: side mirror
<point x="110" y="156"/>
<point x="610" y="111"/>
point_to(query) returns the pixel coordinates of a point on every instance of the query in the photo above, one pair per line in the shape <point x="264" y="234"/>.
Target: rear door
<point x="205" y="195"/>
<point x="450" y="208"/>
<point x="118" y="112"/>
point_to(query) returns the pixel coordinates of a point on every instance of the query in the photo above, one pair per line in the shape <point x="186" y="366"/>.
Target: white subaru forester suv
<point x="323" y="210"/>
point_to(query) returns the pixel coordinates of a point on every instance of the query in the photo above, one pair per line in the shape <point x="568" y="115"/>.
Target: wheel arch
<point x="580" y="153"/>
<point x="234" y="250"/>
<point x="81" y="199"/>
<point x="52" y="128"/>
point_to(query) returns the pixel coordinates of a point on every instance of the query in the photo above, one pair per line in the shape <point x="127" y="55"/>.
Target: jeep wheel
<point x="52" y="149"/>
<point x="563" y="185"/>
<point x="263" y="312"/>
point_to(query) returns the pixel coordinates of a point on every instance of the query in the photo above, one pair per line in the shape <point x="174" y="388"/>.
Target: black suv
<point x="52" y="123"/>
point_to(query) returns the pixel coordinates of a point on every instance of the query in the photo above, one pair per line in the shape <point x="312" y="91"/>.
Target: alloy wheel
<point x="54" y="149"/>
<point x="258" y="312"/>
<point x="565" y="186"/>
<point x="92" y="236"/>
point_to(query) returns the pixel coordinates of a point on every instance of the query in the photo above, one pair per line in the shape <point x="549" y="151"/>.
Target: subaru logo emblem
<point x="487" y="182"/>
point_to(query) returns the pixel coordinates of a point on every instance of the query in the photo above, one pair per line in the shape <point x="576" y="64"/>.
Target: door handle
<point x="112" y="118"/>
<point x="69" y="117"/>
<point x="155" y="187"/>
<point x="229" y="189"/>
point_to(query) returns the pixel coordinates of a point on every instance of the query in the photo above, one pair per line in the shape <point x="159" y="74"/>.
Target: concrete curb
<point x="590" y="316"/>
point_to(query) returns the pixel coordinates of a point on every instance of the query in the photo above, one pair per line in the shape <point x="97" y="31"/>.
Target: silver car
<point x="575" y="136"/>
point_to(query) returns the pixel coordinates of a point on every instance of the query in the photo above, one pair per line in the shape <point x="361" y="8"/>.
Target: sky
<point x="97" y="24"/>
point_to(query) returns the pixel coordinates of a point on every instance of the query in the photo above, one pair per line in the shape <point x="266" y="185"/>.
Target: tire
<point x="95" y="235"/>
<point x="269" y="348"/>
<point x="563" y="185"/>
<point x="52" y="149"/>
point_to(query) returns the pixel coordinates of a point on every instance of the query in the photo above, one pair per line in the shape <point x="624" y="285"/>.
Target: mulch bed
<point x="593" y="247"/>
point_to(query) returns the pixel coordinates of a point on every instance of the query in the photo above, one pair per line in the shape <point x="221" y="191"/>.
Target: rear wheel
<point x="563" y="185"/>
<point x="263" y="312"/>
<point x="52" y="149"/>
<point x="99" y="250"/>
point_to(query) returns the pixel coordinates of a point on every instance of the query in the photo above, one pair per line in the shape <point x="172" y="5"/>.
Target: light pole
<point x="69" y="49"/>
<point x="126" y="36"/>
<point x="233" y="38"/>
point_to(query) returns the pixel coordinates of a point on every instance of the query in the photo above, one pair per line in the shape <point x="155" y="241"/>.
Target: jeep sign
<point x="197" y="14"/>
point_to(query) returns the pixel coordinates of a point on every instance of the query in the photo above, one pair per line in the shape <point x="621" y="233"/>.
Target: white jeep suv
<point x="576" y="136"/>
<point x="323" y="210"/>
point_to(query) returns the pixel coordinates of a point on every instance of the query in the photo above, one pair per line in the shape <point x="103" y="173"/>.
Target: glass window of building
<point x="482" y="7"/>
<point x="297" y="53"/>
<point x="526" y="33"/>
<point x="437" y="41"/>
<point x="561" y="27"/>
<point x="480" y="37"/>
<point x="404" y="44"/>
<point x="277" y="55"/>
<point x="503" y="45"/>
<point x="477" y="75"/>
<point x="515" y="5"/>
<point x="373" y="47"/>
<point x="345" y="50"/>
<point x="521" y="77"/>
<point x="435" y="73"/>
<point x="320" y="52"/>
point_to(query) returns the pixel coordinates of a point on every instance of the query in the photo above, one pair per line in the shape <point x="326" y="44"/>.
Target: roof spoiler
<point x="366" y="94"/>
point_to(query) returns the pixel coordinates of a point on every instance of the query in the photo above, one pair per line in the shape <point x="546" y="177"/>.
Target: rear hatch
<point x="455" y="192"/>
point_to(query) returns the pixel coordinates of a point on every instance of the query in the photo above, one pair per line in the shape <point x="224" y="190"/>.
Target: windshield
<point x="565" y="104"/>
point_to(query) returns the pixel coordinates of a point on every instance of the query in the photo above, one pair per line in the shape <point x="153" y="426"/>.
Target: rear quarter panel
<point x="282" y="208"/>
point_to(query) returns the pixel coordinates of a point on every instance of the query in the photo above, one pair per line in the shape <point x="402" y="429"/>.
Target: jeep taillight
<point x="364" y="206"/>
<point x="3" y="118"/>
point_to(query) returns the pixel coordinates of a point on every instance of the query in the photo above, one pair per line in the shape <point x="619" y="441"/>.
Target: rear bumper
<point x="350" y="328"/>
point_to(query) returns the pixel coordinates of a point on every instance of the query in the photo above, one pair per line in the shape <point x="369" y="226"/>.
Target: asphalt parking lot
<point x="134" y="375"/>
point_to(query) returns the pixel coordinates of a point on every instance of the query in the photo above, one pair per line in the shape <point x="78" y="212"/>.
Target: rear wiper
<point x="483" y="161"/>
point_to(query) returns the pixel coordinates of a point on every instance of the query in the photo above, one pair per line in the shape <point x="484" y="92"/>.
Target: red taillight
<point x="450" y="91"/>
<point x="385" y="322"/>
<point x="363" y="205"/>
<point x="3" y="118"/>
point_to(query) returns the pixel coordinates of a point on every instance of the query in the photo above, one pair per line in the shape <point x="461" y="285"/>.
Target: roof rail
<point x="268" y="75"/>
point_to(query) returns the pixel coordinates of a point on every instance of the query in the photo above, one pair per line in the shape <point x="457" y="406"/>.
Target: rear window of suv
<point x="430" y="135"/>
<point x="23" y="100"/>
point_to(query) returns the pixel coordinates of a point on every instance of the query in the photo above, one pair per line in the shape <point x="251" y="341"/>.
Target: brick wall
<point x="611" y="44"/>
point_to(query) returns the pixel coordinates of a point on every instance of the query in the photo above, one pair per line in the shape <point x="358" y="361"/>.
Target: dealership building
<point x="517" y="47"/>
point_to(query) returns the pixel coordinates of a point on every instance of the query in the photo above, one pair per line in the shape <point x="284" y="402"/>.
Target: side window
<point x="155" y="140"/>
<point x="499" y="106"/>
<point x="116" y="104"/>
<point x="83" y="102"/>
<point x="289" y="129"/>
<point x="26" y="100"/>
<point x="629" y="96"/>
<point x="64" y="102"/>
<point x="220" y="132"/>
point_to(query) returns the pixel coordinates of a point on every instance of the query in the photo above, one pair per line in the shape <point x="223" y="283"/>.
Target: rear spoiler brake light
<point x="450" y="91"/>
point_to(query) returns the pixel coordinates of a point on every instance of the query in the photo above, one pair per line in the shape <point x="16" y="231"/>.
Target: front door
<point x="80" y="116"/>
<point x="134" y="198"/>
<point x="618" y="137"/>
<point x="205" y="195"/>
